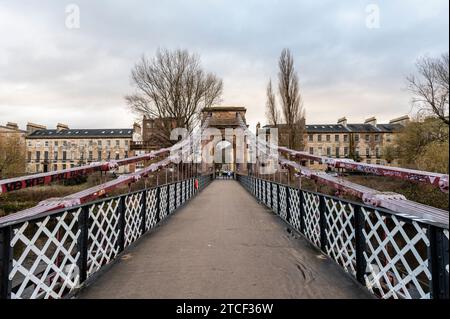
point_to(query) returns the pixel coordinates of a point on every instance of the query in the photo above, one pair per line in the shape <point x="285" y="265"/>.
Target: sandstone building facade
<point x="367" y="142"/>
<point x="61" y="148"/>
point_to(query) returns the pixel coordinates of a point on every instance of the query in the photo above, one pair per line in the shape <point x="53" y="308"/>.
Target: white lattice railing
<point x="52" y="256"/>
<point x="392" y="256"/>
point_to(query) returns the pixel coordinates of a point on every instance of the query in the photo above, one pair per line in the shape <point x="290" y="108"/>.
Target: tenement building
<point x="367" y="142"/>
<point x="61" y="148"/>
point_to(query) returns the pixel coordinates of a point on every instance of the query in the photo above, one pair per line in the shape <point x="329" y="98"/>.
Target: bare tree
<point x="272" y="112"/>
<point x="12" y="156"/>
<point x="292" y="104"/>
<point x="173" y="86"/>
<point x="431" y="86"/>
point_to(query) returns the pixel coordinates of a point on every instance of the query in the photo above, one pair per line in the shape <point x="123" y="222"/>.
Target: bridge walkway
<point x="223" y="244"/>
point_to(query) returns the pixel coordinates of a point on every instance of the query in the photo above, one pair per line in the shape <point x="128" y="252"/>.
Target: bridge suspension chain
<point x="389" y="200"/>
<point x="97" y="191"/>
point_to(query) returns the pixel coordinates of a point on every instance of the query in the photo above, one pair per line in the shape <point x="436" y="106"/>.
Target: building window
<point x="55" y="156"/>
<point x="319" y="138"/>
<point x="117" y="155"/>
<point x="328" y="150"/>
<point x="99" y="155"/>
<point x="311" y="137"/>
<point x="337" y="151"/>
<point x="320" y="151"/>
<point x="64" y="143"/>
<point x="99" y="143"/>
<point x="367" y="152"/>
<point x="377" y="137"/>
<point x="64" y="155"/>
<point x="46" y="143"/>
<point x="311" y="150"/>
<point x="377" y="152"/>
<point x="345" y="138"/>
<point x="108" y="156"/>
<point x="38" y="155"/>
<point x="90" y="155"/>
<point x="367" y="137"/>
<point x="336" y="138"/>
<point x="56" y="143"/>
<point x="64" y="166"/>
<point x="38" y="168"/>
<point x="108" y="143"/>
<point x="29" y="156"/>
<point x="126" y="154"/>
<point x="81" y="156"/>
<point x="345" y="151"/>
<point x="126" y="142"/>
<point x="55" y="167"/>
<point x="46" y="155"/>
<point x="356" y="137"/>
<point x="117" y="142"/>
<point x="357" y="152"/>
<point x="328" y="138"/>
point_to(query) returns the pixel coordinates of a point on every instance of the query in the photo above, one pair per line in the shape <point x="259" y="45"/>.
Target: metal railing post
<point x="158" y="205"/>
<point x="302" y="211"/>
<point x="83" y="225"/>
<point x="6" y="257"/>
<point x="360" y="245"/>
<point x="143" y="210"/>
<point x="437" y="261"/>
<point x="121" y="211"/>
<point x="288" y="204"/>
<point x="323" y="223"/>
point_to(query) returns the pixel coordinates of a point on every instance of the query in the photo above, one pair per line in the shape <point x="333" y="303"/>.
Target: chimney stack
<point x="61" y="127"/>
<point x="403" y="120"/>
<point x="342" y="121"/>
<point x="12" y="126"/>
<point x="32" y="127"/>
<point x="137" y="128"/>
<point x="371" y="120"/>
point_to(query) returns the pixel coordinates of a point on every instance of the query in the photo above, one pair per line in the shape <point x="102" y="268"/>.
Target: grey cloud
<point x="53" y="74"/>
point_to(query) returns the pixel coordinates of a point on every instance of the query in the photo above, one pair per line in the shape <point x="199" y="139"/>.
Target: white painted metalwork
<point x="396" y="256"/>
<point x="340" y="233"/>
<point x="151" y="208"/>
<point x="294" y="208"/>
<point x="47" y="266"/>
<point x="311" y="203"/>
<point x="103" y="234"/>
<point x="133" y="217"/>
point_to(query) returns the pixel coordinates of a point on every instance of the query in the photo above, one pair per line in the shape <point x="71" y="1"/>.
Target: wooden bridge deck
<point x="223" y="244"/>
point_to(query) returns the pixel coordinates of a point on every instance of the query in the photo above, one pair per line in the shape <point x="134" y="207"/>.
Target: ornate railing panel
<point x="51" y="256"/>
<point x="392" y="256"/>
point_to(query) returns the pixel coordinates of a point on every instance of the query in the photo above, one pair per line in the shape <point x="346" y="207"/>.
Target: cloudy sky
<point x="348" y="63"/>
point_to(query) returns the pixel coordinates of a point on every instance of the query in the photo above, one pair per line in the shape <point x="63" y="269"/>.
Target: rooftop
<point x="82" y="133"/>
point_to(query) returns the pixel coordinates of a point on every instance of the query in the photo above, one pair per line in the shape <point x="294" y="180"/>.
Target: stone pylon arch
<point x="225" y="119"/>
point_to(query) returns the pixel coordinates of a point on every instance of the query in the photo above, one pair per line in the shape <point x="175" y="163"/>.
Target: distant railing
<point x="391" y="255"/>
<point x="54" y="254"/>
